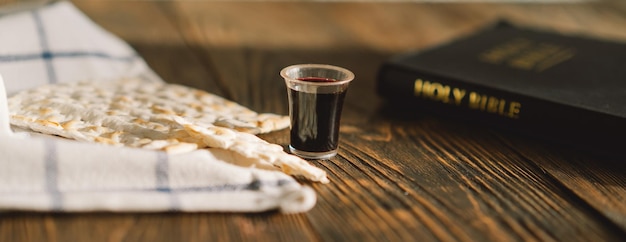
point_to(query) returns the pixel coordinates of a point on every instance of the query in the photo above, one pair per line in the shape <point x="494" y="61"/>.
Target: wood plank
<point x="247" y="53"/>
<point x="154" y="227"/>
<point x="446" y="182"/>
<point x="599" y="181"/>
<point x="147" y="29"/>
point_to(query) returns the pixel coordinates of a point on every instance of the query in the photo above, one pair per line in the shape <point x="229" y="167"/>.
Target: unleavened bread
<point x="154" y="115"/>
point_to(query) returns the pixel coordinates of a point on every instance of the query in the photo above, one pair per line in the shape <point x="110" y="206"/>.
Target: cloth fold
<point x="57" y="43"/>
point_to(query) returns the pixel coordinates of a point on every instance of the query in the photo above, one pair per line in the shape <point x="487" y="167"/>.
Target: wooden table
<point x="419" y="178"/>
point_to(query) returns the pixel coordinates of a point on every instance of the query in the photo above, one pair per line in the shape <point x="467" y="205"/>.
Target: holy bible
<point x="565" y="88"/>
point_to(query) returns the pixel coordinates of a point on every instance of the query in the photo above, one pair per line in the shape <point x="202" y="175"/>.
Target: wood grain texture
<point x="480" y="191"/>
<point x="398" y="176"/>
<point x="599" y="181"/>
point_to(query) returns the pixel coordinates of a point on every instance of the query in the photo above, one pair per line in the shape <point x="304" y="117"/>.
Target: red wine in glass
<point x="315" y="118"/>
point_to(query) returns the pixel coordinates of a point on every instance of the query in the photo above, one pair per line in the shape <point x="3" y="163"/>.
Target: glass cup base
<point x="324" y="155"/>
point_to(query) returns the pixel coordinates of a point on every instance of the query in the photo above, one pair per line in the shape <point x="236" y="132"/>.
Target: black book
<point x="565" y="88"/>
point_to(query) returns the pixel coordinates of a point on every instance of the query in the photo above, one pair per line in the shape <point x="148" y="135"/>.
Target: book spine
<point x="411" y="87"/>
<point x="413" y="90"/>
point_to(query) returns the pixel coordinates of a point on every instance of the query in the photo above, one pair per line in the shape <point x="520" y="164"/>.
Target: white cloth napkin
<point x="57" y="43"/>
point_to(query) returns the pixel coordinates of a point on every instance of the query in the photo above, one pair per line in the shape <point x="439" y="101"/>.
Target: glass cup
<point x="316" y="93"/>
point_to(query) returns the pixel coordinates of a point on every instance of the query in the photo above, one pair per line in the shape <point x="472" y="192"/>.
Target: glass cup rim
<point x="349" y="74"/>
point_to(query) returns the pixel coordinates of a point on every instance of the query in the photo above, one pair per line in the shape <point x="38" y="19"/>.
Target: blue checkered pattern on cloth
<point x="57" y="43"/>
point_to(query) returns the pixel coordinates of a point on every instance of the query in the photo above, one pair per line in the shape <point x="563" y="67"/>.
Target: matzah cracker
<point x="154" y="115"/>
<point x="251" y="146"/>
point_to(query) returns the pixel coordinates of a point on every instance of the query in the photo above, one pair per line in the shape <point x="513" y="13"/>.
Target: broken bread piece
<point x="154" y="115"/>
<point x="251" y="146"/>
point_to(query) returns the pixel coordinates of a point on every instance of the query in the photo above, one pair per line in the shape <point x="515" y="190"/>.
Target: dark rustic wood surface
<point x="397" y="177"/>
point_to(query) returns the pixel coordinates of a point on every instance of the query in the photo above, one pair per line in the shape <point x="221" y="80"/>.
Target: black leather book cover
<point x="562" y="87"/>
